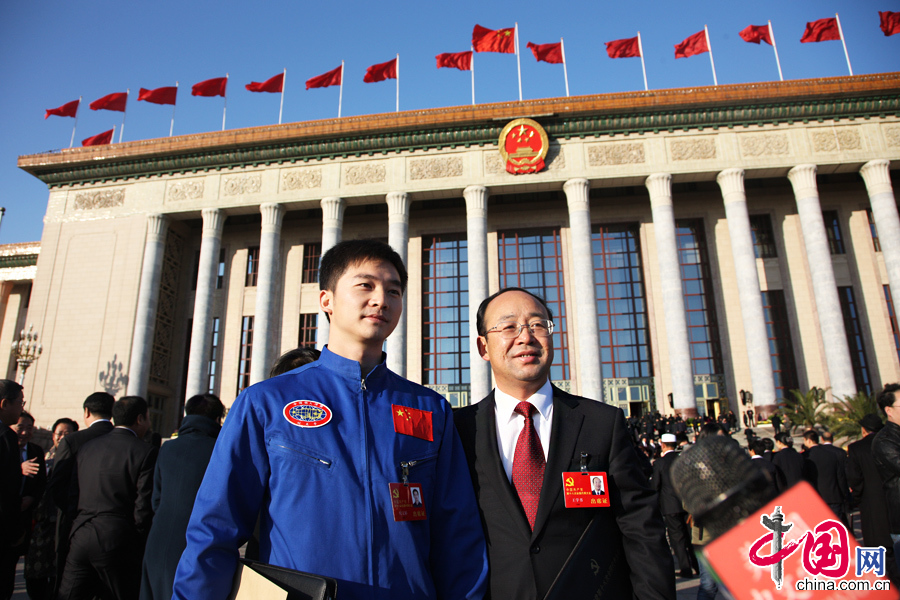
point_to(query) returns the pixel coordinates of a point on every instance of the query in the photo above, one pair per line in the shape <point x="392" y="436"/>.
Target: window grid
<point x="833" y="231"/>
<point x="873" y="230"/>
<point x="763" y="236"/>
<point x="246" y="353"/>
<point x="533" y="260"/>
<point x="308" y="325"/>
<point x="621" y="307"/>
<point x="855" y="340"/>
<point x="252" y="274"/>
<point x="445" y="310"/>
<point x="213" y="352"/>
<point x="699" y="303"/>
<point x="781" y="348"/>
<point x="312" y="253"/>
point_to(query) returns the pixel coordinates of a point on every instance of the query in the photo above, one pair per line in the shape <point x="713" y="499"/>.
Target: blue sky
<point x="54" y="52"/>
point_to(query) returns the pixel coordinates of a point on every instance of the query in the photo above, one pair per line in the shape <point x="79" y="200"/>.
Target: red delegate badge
<point x="412" y="421"/>
<point x="407" y="502"/>
<point x="585" y="489"/>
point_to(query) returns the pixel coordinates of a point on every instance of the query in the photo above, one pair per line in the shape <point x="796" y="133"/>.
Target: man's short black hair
<point x="27" y="415"/>
<point x="9" y="389"/>
<point x="126" y="411"/>
<point x="785" y="438"/>
<point x="482" y="308"/>
<point x="886" y="397"/>
<point x="205" y="405"/>
<point x="64" y="421"/>
<point x="343" y="255"/>
<point x="293" y="359"/>
<point x="758" y="447"/>
<point x="768" y="444"/>
<point x="100" y="404"/>
<point x="811" y="435"/>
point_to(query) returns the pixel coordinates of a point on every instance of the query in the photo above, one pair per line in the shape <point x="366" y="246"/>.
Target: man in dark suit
<point x="757" y="450"/>
<point x="62" y="487"/>
<point x="829" y="472"/>
<point x="521" y="438"/>
<point x="674" y="515"/>
<point x="115" y="482"/>
<point x="787" y="459"/>
<point x="176" y="479"/>
<point x="11" y="403"/>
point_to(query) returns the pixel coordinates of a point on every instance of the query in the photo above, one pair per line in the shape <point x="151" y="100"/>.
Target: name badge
<point x="408" y="502"/>
<point x="585" y="489"/>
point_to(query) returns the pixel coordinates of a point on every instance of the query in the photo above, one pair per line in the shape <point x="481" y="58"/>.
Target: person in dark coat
<point x="11" y="403"/>
<point x="674" y="515"/>
<point x="179" y="471"/>
<point x="757" y="453"/>
<point x="787" y="459"/>
<point x="830" y="472"/>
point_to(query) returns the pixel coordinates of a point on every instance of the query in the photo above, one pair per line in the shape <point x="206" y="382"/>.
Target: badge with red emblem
<point x="523" y="146"/>
<point x="307" y="413"/>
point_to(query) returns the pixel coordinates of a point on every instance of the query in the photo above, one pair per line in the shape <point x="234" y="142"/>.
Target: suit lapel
<point x="563" y="437"/>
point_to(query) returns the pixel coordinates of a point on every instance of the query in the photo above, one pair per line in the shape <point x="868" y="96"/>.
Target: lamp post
<point x="26" y="350"/>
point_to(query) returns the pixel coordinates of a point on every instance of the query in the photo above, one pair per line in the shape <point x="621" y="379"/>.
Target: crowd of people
<point x="338" y="467"/>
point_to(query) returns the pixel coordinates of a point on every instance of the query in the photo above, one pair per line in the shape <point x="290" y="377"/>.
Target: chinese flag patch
<point x="412" y="421"/>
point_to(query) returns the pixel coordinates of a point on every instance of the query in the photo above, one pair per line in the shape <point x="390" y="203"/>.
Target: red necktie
<point x="528" y="464"/>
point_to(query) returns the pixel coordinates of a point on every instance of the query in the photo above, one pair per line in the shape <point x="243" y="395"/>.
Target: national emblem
<point x="523" y="146"/>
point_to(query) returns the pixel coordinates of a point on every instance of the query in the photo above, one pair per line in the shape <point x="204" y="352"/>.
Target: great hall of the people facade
<point x="692" y="244"/>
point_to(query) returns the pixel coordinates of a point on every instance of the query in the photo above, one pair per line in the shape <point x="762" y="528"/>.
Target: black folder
<point x="296" y="584"/>
<point x="590" y="570"/>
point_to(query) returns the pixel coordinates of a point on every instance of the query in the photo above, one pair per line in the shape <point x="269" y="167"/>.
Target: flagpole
<point x="172" y="125"/>
<point x="225" y="102"/>
<point x="562" y="48"/>
<point x="72" y="141"/>
<point x="711" y="61"/>
<point x="398" y="83"/>
<point x="843" y="41"/>
<point x="518" y="62"/>
<point x="777" y="62"/>
<point x="281" y="108"/>
<point x="473" y="74"/>
<point x="122" y="130"/>
<point x="113" y="136"/>
<point x="643" y="66"/>
<point x="341" y="93"/>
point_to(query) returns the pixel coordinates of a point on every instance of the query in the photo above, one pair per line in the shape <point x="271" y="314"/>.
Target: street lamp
<point x="26" y="350"/>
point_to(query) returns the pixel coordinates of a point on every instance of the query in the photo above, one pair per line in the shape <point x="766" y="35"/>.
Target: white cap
<point x="668" y="438"/>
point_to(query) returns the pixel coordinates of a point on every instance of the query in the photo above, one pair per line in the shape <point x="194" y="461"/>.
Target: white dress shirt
<point x="510" y="423"/>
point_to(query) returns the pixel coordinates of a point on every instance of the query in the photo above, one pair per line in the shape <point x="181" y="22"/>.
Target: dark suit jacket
<point x="10" y="484"/>
<point x="791" y="464"/>
<point x="866" y="488"/>
<point x="830" y="472"/>
<point x="35" y="485"/>
<point x="661" y="481"/>
<point x="64" y="464"/>
<point x="778" y="481"/>
<point x="524" y="563"/>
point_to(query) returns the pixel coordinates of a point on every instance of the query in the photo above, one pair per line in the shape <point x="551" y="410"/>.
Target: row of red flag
<point x="483" y="40"/>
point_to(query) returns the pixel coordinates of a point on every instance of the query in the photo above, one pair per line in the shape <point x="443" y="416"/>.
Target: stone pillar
<point x="731" y="181"/>
<point x="332" y="224"/>
<point x="267" y="290"/>
<point x="476" y="235"/>
<point x="877" y="176"/>
<point x="818" y="254"/>
<point x="589" y="376"/>
<point x="148" y="298"/>
<point x="660" y="187"/>
<point x="398" y="238"/>
<point x="198" y="359"/>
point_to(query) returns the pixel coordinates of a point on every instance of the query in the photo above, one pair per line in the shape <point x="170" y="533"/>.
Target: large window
<point x="621" y="305"/>
<point x="699" y="302"/>
<point x="533" y="260"/>
<point x="308" y="324"/>
<point x="312" y="253"/>
<point x="220" y="270"/>
<point x="855" y="340"/>
<point x="781" y="348"/>
<point x="252" y="267"/>
<point x="246" y="353"/>
<point x="213" y="354"/>
<point x="445" y="310"/>
<point x="763" y="236"/>
<point x="833" y="231"/>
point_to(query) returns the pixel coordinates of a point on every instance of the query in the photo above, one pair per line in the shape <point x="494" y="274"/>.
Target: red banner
<point x="456" y="60"/>
<point x="412" y="421"/>
<point x="330" y="78"/>
<point x="890" y="22"/>
<point x="69" y="109"/>
<point x="756" y="34"/>
<point x="210" y="87"/>
<point x="823" y="30"/>
<point x="111" y="102"/>
<point x="490" y="40"/>
<point x="551" y="53"/>
<point x="163" y="95"/>
<point x="627" y="48"/>
<point x="381" y="71"/>
<point x="273" y="84"/>
<point x="695" y="44"/>
<point x="99" y="140"/>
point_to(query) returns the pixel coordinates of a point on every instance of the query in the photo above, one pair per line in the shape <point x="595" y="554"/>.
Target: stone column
<point x="589" y="376"/>
<point x="148" y="298"/>
<point x="818" y="254"/>
<point x="476" y="236"/>
<point x="731" y="181"/>
<point x="660" y="187"/>
<point x="877" y="176"/>
<point x="198" y="359"/>
<point x="332" y="225"/>
<point x="267" y="289"/>
<point x="398" y="238"/>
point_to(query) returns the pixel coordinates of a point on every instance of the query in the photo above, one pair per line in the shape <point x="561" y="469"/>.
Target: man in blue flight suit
<point x="322" y="454"/>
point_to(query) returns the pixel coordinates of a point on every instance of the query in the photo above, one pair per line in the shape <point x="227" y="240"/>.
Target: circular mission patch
<point x="307" y="413"/>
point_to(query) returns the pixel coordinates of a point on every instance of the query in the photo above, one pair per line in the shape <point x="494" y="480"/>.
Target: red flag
<point x="99" y="140"/>
<point x="457" y="60"/>
<point x="551" y="53"/>
<point x="163" y="95"/>
<point x="210" y="87"/>
<point x="756" y="34"/>
<point x="273" y="84"/>
<point x="381" y="71"/>
<point x="822" y="30"/>
<point x="489" y="40"/>
<point x="69" y="109"/>
<point x="330" y="78"/>
<point x="111" y="102"/>
<point x="695" y="44"/>
<point x="626" y="48"/>
<point x="890" y="22"/>
<point x="412" y="421"/>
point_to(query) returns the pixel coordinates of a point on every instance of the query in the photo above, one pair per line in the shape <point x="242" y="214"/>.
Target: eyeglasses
<point x="510" y="329"/>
